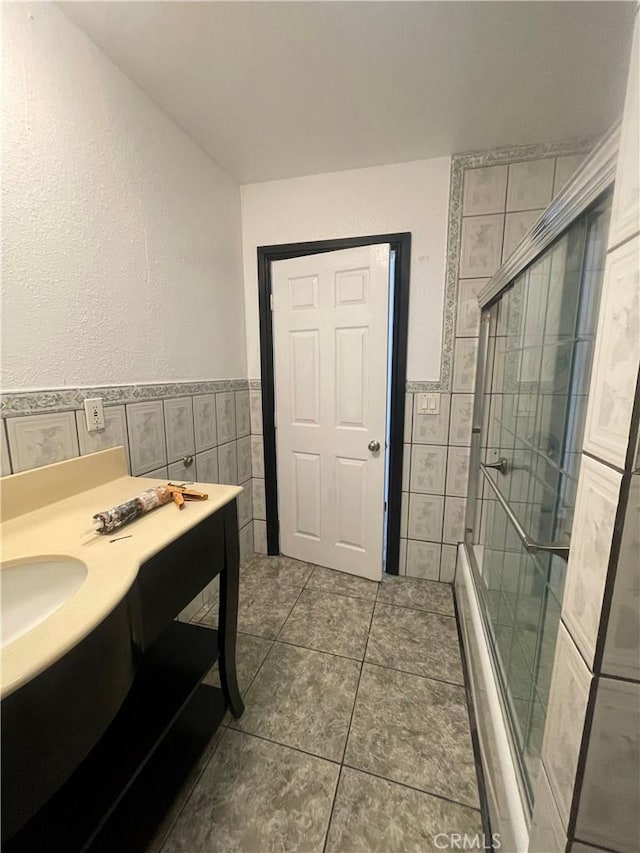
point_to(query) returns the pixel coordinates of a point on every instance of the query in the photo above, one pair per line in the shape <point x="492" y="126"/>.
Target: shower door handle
<point x="530" y="546"/>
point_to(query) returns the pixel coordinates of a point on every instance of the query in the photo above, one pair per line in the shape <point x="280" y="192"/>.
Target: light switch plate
<point x="428" y="404"/>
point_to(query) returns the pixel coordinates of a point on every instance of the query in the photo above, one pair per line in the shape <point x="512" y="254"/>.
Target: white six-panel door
<point x="330" y="319"/>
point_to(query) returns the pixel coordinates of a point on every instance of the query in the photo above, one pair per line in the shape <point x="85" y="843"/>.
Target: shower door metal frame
<point x="592" y="180"/>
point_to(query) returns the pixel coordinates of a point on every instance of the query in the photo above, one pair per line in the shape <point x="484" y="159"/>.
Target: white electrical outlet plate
<point x="429" y="404"/>
<point x="94" y="413"/>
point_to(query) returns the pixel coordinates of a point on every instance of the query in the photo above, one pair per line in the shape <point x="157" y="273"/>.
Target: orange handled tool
<point x="181" y="494"/>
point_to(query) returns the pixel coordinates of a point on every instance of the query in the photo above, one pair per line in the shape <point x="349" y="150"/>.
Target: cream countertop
<point x="36" y="525"/>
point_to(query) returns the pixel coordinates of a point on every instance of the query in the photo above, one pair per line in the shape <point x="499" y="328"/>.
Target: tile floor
<point x="355" y="737"/>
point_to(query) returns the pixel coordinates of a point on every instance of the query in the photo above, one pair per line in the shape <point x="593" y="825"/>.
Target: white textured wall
<point x="121" y="238"/>
<point x="379" y="200"/>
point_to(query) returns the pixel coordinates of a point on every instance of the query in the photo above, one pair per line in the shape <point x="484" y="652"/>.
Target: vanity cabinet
<point x="149" y="724"/>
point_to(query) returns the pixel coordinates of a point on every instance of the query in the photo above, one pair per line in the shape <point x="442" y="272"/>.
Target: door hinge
<point x="271" y="301"/>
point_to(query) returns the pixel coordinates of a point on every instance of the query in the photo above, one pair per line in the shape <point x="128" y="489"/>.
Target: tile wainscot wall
<point x="180" y="432"/>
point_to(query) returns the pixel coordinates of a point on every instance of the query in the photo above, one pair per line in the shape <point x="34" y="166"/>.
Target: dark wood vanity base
<point x="118" y="796"/>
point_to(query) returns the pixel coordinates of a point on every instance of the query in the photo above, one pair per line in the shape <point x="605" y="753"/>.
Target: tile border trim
<point x="473" y="160"/>
<point x="16" y="403"/>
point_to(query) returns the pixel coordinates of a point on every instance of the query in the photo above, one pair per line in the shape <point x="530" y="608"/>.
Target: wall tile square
<point x="481" y="246"/>
<point x="255" y="408"/>
<point x="458" y="471"/>
<point x="622" y="645"/>
<point x="178" y="422"/>
<point x="226" y="416"/>
<point x="259" y="502"/>
<point x="402" y="568"/>
<point x="408" y="416"/>
<point x="592" y="533"/>
<point x="147" y="446"/>
<point x="114" y="433"/>
<point x="566" y="167"/>
<point x="181" y="473"/>
<point x="530" y="184"/>
<point x="204" y="418"/>
<point x="448" y="563"/>
<point x="453" y="530"/>
<point x="244" y="459"/>
<point x="406" y="466"/>
<point x="431" y="429"/>
<point x="5" y="462"/>
<point x="37" y="440"/>
<point x="428" y="467"/>
<point x="616" y="357"/>
<point x="257" y="456"/>
<point x="246" y="544"/>
<point x="484" y="190"/>
<point x="425" y="517"/>
<point x="569" y="693"/>
<point x="243" y="414"/>
<point x="609" y="813"/>
<point x="157" y="474"/>
<point x="260" y="537"/>
<point x="461" y="420"/>
<point x="423" y="560"/>
<point x="547" y="834"/>
<point x="207" y="466"/>
<point x="245" y="508"/>
<point x="515" y="227"/>
<point x="625" y="214"/>
<point x="404" y="515"/>
<point x="464" y="365"/>
<point x="228" y="463"/>
<point x="468" y="314"/>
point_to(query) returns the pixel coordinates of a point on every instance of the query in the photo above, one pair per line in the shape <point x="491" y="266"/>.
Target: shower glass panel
<point x="538" y="345"/>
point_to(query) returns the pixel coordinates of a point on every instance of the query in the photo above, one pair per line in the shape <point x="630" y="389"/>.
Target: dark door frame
<point x="401" y="242"/>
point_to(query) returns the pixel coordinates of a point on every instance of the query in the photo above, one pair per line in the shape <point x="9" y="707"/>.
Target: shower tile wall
<point x="175" y="435"/>
<point x="499" y="204"/>
<point x="589" y="793"/>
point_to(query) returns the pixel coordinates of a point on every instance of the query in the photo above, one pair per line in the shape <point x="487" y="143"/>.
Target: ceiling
<point x="279" y="89"/>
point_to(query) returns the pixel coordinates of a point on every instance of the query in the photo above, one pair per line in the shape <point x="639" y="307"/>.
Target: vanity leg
<point x="228" y="615"/>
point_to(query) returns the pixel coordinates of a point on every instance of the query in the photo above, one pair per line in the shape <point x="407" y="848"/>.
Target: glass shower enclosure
<point x="534" y="368"/>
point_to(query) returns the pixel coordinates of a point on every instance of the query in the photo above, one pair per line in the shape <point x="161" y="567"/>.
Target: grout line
<point x="333" y="805"/>
<point x="458" y="684"/>
<point x="413" y="788"/>
<point x="322" y="651"/>
<point x="355" y="695"/>
<point x="418" y="610"/>
<point x="255" y="674"/>
<point x="285" y="745"/>
<point x="286" y="619"/>
<point x="343" y="594"/>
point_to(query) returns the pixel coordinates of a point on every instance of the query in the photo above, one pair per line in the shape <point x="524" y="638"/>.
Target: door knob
<point x="374" y="446"/>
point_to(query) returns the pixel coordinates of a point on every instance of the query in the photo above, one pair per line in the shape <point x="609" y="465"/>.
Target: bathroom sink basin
<point x="30" y="591"/>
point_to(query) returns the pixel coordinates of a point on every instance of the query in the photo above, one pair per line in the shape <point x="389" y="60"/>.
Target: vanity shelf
<point x="117" y="797"/>
<point x="166" y="691"/>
